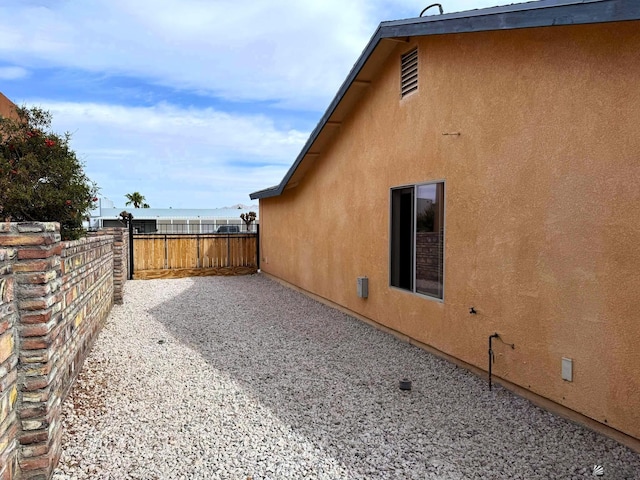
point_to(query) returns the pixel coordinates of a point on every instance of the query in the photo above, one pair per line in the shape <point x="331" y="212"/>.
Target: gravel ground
<point x="241" y="378"/>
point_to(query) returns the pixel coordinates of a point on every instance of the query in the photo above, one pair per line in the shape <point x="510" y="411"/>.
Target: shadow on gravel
<point x="335" y="380"/>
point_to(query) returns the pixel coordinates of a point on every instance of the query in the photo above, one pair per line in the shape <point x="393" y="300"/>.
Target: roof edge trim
<point x="541" y="13"/>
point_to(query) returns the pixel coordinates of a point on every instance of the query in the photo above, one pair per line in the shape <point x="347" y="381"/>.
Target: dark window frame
<point x="417" y="239"/>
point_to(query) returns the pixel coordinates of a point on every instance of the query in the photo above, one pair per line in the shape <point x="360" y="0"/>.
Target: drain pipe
<point x="130" y="225"/>
<point x="491" y="357"/>
<point x="431" y="6"/>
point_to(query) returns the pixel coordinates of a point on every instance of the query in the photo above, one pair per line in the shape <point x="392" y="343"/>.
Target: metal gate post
<point x="131" y="265"/>
<point x="198" y="262"/>
<point x="258" y="245"/>
<point x="166" y="253"/>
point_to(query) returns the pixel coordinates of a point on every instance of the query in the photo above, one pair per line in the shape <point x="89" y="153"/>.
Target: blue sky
<point x="193" y="103"/>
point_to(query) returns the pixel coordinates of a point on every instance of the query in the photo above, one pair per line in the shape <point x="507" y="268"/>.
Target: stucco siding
<point x="541" y="218"/>
<point x="7" y="108"/>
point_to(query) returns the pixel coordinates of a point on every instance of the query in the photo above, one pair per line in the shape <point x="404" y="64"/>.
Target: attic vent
<point x="409" y="72"/>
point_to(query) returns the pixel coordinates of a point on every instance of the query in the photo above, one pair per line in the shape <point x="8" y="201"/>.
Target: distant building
<point x="7" y="107"/>
<point x="170" y="220"/>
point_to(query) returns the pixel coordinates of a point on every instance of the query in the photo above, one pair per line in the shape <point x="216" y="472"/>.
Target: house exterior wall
<point x="541" y="218"/>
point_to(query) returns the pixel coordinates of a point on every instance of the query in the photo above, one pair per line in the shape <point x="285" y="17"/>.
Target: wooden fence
<point x="180" y="255"/>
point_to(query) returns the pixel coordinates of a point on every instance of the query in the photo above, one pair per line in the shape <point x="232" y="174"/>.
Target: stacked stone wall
<point x="87" y="286"/>
<point x="120" y="260"/>
<point x="8" y="365"/>
<point x="55" y="298"/>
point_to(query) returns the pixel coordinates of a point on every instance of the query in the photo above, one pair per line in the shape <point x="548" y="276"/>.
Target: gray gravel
<point x="241" y="378"/>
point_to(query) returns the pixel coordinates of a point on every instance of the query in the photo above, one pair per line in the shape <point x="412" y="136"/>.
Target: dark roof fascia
<point x="542" y="13"/>
<point x="266" y="192"/>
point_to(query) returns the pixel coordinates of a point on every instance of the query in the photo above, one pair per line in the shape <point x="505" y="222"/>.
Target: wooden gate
<point x="190" y="255"/>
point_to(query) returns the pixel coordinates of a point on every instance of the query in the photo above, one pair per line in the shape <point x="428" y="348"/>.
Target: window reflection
<point x="429" y="242"/>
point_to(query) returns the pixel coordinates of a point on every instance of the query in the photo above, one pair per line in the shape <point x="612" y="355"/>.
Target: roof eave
<point x="277" y="190"/>
<point x="267" y="192"/>
<point x="542" y="13"/>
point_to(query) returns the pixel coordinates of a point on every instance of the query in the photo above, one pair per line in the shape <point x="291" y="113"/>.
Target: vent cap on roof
<point x="409" y="72"/>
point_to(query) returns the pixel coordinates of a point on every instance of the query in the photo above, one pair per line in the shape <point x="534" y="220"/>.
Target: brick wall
<point x="59" y="294"/>
<point x="428" y="254"/>
<point x="120" y="260"/>
<point x="8" y="366"/>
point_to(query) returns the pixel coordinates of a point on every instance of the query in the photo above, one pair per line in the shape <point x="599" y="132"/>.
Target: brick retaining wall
<point x="55" y="298"/>
<point x="8" y="366"/>
<point x="120" y="260"/>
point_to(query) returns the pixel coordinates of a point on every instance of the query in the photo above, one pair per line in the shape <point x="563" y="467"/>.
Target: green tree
<point x="136" y="199"/>
<point x="41" y="179"/>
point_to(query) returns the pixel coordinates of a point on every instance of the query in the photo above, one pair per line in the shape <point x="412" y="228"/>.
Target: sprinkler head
<point x="405" y="384"/>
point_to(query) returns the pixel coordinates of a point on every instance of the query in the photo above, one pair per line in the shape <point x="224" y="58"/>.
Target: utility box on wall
<point x="363" y="287"/>
<point x="567" y="369"/>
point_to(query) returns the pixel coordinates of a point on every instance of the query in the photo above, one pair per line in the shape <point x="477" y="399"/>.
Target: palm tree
<point x="136" y="199"/>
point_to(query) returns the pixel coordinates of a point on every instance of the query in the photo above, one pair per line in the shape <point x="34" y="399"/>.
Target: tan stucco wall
<point x="7" y="108"/>
<point x="542" y="218"/>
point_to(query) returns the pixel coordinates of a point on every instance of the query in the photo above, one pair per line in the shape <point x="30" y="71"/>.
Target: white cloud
<point x="291" y="54"/>
<point x="209" y="154"/>
<point x="294" y="53"/>
<point x="13" y="73"/>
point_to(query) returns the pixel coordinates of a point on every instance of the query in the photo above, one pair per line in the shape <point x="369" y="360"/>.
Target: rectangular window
<point x="417" y="238"/>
